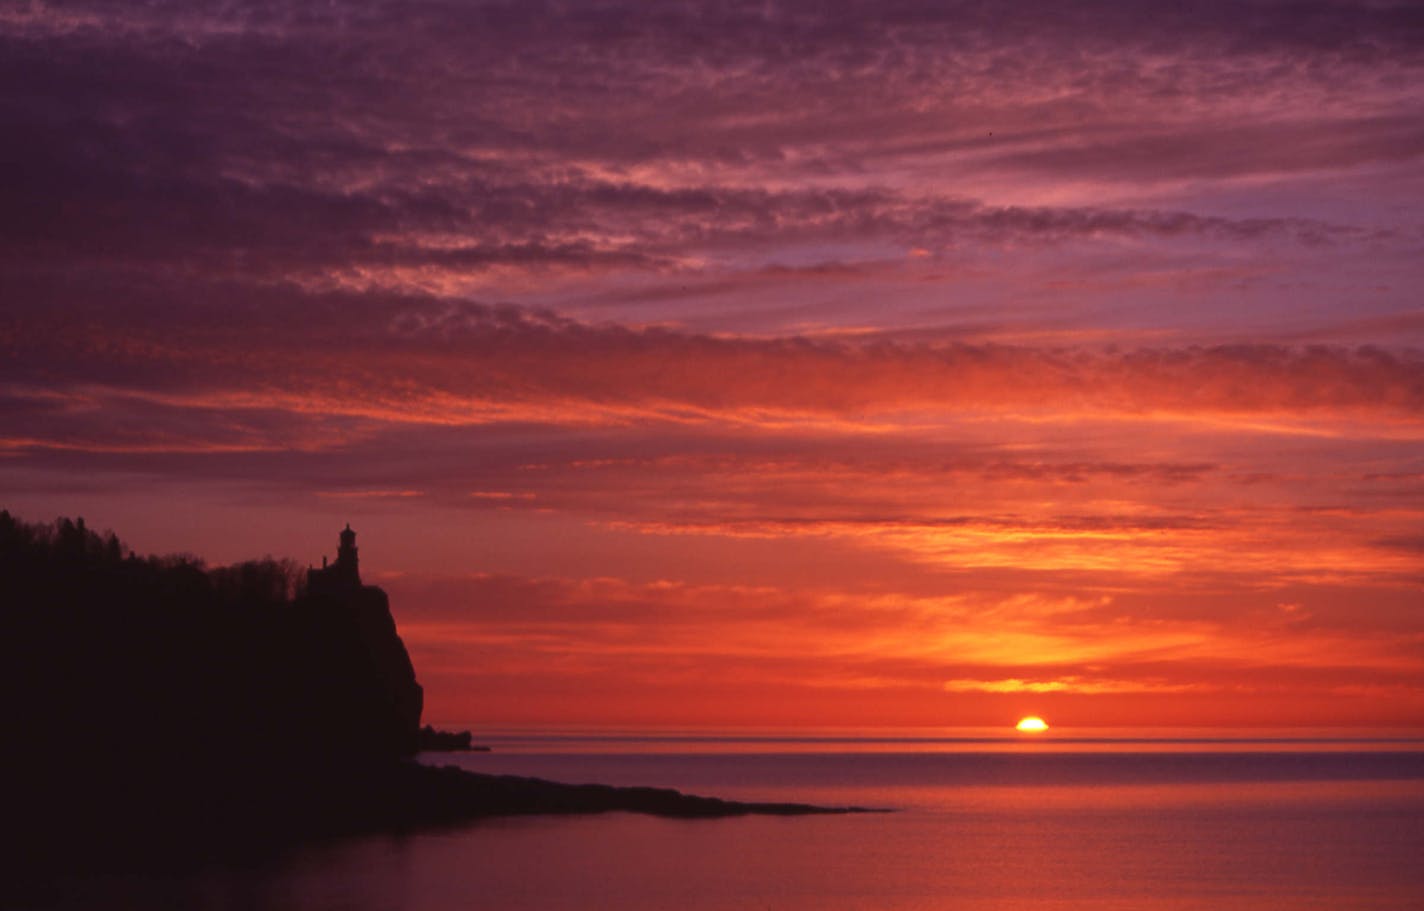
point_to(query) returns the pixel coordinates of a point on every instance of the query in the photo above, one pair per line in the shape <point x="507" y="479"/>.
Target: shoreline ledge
<point x="205" y="818"/>
<point x="448" y="791"/>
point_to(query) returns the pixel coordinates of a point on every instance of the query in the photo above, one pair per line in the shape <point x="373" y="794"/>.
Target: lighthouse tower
<point x="341" y="577"/>
<point x="346" y="554"/>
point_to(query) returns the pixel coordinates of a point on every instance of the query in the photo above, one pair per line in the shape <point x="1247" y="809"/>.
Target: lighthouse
<point x="342" y="576"/>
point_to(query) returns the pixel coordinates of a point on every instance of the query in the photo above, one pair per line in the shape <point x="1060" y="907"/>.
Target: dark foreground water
<point x="981" y="822"/>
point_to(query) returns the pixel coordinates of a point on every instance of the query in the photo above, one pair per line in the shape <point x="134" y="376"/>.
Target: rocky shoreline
<point x="446" y="791"/>
<point x="166" y="712"/>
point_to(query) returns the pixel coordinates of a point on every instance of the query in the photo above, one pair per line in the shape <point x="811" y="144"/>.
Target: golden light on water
<point x="1032" y="724"/>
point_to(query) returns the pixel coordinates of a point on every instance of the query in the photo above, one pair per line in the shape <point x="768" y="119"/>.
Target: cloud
<point x="784" y="640"/>
<point x="971" y="630"/>
<point x="1231" y="149"/>
<point x="455" y="141"/>
<point x="1073" y="684"/>
<point x="413" y="361"/>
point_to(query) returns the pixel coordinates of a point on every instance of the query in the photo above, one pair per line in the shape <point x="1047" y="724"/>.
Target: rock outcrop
<point x="153" y="700"/>
<point x="158" y="710"/>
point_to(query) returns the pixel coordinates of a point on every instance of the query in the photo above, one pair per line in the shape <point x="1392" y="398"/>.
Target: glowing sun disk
<point x="1032" y="724"/>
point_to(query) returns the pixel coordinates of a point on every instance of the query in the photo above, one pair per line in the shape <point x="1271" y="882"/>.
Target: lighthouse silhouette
<point x="341" y="577"/>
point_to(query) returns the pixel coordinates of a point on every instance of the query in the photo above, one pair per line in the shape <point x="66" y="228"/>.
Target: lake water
<point x="980" y="821"/>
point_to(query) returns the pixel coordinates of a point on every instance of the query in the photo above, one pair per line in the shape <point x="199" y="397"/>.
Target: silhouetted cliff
<point x="158" y="710"/>
<point x="145" y="696"/>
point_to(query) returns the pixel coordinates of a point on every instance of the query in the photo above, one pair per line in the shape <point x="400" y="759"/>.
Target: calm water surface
<point x="980" y="822"/>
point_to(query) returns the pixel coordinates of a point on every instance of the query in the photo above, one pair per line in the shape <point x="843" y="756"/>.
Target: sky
<point x="790" y="364"/>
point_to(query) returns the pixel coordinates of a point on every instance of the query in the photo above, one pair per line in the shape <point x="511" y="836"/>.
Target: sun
<point x="1032" y="724"/>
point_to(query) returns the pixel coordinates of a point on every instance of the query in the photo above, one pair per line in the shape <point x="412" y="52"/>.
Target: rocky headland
<point x="157" y="708"/>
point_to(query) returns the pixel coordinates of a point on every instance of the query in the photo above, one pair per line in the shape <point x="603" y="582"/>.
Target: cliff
<point x="156" y="709"/>
<point x="362" y="694"/>
<point x="152" y="698"/>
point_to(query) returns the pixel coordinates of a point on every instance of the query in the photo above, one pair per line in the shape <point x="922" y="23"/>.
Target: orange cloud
<point x="1073" y="684"/>
<point x="665" y="637"/>
<point x="470" y="366"/>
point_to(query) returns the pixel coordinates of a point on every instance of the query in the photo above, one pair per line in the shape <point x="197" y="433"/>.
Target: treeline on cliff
<point x="153" y="692"/>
